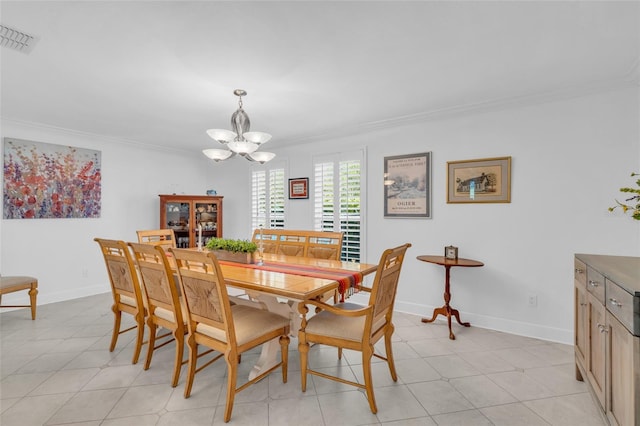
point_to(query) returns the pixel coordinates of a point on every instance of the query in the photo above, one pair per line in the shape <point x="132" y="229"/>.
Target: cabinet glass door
<point x="207" y="220"/>
<point x="177" y="217"/>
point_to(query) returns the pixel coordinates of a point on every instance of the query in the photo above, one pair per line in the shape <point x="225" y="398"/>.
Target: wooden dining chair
<point x="126" y="290"/>
<point x="216" y="324"/>
<point x="356" y="327"/>
<point x="163" y="303"/>
<point x="165" y="237"/>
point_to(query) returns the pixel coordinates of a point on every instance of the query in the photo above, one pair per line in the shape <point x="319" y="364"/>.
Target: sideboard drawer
<point x="620" y="304"/>
<point x="595" y="284"/>
<point x="580" y="272"/>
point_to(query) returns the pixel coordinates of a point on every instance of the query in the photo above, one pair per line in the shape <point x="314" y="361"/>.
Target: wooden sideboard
<point x="607" y="333"/>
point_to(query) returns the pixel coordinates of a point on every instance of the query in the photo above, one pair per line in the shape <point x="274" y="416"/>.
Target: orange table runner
<point x="348" y="281"/>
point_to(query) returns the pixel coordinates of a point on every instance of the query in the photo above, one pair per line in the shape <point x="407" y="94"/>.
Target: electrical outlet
<point x="85" y="273"/>
<point x="532" y="300"/>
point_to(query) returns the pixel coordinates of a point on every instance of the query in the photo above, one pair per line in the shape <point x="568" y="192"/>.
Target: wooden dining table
<point x="280" y="283"/>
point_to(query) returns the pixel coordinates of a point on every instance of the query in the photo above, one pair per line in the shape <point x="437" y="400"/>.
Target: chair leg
<point x="117" y="315"/>
<point x="191" y="367"/>
<point x="389" y="353"/>
<point x="303" y="349"/>
<point x="139" y="338"/>
<point x="153" y="329"/>
<point x="178" y="334"/>
<point x="339" y="353"/>
<point x="284" y="346"/>
<point x="367" y="354"/>
<point x="32" y="295"/>
<point x="232" y="376"/>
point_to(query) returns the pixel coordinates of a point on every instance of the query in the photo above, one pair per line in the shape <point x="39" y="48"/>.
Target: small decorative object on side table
<point x="451" y="252"/>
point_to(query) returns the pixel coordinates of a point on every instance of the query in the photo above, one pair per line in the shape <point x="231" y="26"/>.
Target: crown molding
<point x="630" y="79"/>
<point x="103" y="138"/>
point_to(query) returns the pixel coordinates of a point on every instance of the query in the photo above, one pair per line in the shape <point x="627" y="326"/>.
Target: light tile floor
<point x="58" y="370"/>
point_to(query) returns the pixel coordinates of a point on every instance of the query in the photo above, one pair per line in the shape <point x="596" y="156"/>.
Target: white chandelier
<point x="240" y="141"/>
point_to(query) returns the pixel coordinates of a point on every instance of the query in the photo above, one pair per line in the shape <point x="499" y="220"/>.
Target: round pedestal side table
<point x="447" y="310"/>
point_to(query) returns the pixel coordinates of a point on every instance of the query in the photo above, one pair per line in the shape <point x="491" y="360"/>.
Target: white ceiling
<point x="163" y="72"/>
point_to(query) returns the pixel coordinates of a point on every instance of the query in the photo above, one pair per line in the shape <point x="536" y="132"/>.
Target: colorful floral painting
<point x="43" y="180"/>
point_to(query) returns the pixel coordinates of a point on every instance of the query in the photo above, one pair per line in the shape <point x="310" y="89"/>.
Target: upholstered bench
<point x="11" y="284"/>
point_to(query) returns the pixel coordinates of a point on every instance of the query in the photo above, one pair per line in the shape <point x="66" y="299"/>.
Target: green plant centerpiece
<point x="631" y="204"/>
<point x="241" y="251"/>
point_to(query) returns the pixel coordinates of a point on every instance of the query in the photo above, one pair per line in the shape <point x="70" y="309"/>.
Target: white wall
<point x="61" y="253"/>
<point x="569" y="159"/>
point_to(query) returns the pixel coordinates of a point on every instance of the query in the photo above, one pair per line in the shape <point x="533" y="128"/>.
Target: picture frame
<point x="407" y="186"/>
<point x="50" y="181"/>
<point x="485" y="180"/>
<point x="299" y="188"/>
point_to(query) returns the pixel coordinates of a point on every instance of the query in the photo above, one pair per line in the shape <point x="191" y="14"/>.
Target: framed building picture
<point x="298" y="188"/>
<point x="407" y="186"/>
<point x="486" y="180"/>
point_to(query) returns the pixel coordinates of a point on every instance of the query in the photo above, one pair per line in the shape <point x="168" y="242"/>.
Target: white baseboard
<point x="44" y="298"/>
<point x="483" y="321"/>
<point x="520" y="328"/>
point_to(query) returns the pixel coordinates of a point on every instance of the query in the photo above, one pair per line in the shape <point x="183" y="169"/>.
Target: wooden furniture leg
<point x="447" y="310"/>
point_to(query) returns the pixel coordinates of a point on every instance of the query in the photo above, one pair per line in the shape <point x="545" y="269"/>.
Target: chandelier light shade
<point x="217" y="154"/>
<point x="240" y="140"/>
<point x="262" y="156"/>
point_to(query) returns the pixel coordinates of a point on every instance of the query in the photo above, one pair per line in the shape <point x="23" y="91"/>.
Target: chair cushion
<point x="349" y="328"/>
<point x="22" y="282"/>
<point x="249" y="323"/>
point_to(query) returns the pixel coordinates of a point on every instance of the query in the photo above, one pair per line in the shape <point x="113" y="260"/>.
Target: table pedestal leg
<point x="269" y="354"/>
<point x="268" y="358"/>
<point x="447" y="310"/>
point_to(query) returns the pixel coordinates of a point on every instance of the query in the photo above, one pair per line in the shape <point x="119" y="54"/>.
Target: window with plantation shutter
<point x="338" y="199"/>
<point x="267" y="198"/>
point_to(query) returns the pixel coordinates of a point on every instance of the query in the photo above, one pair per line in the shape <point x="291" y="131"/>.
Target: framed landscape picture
<point x="407" y="186"/>
<point x="486" y="180"/>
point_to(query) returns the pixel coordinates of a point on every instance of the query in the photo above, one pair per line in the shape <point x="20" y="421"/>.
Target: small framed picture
<point x="298" y="188"/>
<point x="451" y="252"/>
<point x="486" y="180"/>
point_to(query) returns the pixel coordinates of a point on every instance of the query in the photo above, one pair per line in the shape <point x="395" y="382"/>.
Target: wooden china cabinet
<point x="190" y="216"/>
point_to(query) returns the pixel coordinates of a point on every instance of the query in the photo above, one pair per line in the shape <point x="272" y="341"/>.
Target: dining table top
<point x="288" y="284"/>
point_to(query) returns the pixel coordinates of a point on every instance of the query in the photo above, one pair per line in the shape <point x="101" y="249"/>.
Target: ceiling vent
<point x="16" y="40"/>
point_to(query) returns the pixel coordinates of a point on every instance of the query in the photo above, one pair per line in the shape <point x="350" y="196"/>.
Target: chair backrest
<point x="385" y="283"/>
<point x="316" y="244"/>
<point x="204" y="292"/>
<point x="160" y="287"/>
<point x="325" y="245"/>
<point x="165" y="237"/>
<point x="121" y="270"/>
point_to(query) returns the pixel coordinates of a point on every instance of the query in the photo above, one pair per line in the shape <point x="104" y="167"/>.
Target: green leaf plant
<point x="234" y="246"/>
<point x="631" y="204"/>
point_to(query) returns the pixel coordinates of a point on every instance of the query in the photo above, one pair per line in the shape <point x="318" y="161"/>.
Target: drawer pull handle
<point x="578" y="271"/>
<point x="602" y="328"/>
<point x="594" y="283"/>
<point x="614" y="302"/>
